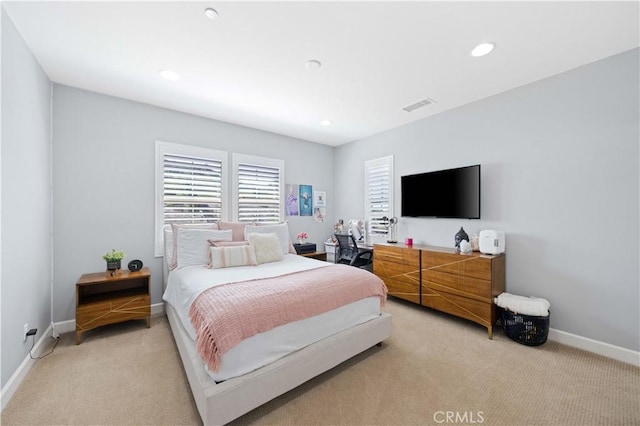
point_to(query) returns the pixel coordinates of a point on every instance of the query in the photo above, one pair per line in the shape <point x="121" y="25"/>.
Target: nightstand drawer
<point x="112" y="311"/>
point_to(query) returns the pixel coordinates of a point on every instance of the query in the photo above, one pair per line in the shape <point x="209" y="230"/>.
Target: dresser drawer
<point x="458" y="284"/>
<point x="472" y="265"/>
<point x="471" y="309"/>
<point x="401" y="280"/>
<point x="398" y="255"/>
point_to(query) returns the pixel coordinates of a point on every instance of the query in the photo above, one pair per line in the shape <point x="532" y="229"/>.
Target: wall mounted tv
<point x="451" y="193"/>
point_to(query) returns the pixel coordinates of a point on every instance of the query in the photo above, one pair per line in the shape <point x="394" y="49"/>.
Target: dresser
<point x="440" y="278"/>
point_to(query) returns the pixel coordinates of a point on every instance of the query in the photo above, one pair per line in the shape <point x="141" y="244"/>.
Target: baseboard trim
<point x="605" y="349"/>
<point x="601" y="348"/>
<point x="25" y="366"/>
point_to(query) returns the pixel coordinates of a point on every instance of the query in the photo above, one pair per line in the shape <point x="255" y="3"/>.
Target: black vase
<point x="461" y="235"/>
<point x="113" y="265"/>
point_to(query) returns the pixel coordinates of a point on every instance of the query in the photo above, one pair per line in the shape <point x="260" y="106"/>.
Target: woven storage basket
<point x="526" y="329"/>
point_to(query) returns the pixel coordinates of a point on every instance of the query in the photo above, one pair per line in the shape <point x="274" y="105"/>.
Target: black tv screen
<point x="451" y="193"/>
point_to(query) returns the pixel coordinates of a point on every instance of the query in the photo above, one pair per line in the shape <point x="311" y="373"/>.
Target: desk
<point x="320" y="255"/>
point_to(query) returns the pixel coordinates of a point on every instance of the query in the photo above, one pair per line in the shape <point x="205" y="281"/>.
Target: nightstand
<point x="102" y="298"/>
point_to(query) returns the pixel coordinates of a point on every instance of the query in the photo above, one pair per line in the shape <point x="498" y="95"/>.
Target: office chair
<point x="350" y="254"/>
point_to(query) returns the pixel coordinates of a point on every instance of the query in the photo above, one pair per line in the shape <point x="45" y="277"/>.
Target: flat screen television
<point x="451" y="193"/>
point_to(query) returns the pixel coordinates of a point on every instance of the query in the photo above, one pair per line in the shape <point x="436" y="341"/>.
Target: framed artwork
<point x="291" y="200"/>
<point x="319" y="199"/>
<point x="318" y="214"/>
<point x="306" y="200"/>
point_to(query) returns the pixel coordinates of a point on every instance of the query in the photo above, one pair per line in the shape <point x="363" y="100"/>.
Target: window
<point x="190" y="186"/>
<point x="378" y="178"/>
<point x="258" y="189"/>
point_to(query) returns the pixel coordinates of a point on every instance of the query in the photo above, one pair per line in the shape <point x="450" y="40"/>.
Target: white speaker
<point x="491" y="242"/>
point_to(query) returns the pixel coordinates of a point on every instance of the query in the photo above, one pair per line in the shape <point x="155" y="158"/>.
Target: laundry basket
<point x="526" y="329"/>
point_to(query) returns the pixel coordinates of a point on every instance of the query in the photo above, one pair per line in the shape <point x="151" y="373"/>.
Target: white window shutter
<point x="258" y="189"/>
<point x="190" y="186"/>
<point x="378" y="197"/>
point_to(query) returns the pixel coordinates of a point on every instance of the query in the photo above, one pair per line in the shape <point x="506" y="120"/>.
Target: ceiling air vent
<point x="419" y="104"/>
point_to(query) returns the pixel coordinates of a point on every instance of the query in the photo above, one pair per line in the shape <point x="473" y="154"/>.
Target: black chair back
<point x="349" y="253"/>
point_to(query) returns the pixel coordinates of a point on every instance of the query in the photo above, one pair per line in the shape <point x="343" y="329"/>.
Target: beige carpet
<point x="435" y="369"/>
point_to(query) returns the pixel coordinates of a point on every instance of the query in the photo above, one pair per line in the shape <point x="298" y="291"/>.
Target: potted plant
<point x="113" y="258"/>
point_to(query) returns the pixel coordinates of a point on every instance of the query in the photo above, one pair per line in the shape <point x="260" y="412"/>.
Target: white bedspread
<point x="184" y="285"/>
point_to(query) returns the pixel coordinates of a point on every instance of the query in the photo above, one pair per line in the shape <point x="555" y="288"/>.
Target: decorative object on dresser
<point x="475" y="243"/>
<point x="465" y="247"/>
<point x="441" y="278"/>
<point x="135" y="265"/>
<point x="461" y="235"/>
<point x="113" y="259"/>
<point x="391" y="224"/>
<point x="491" y="242"/>
<point x="106" y="299"/>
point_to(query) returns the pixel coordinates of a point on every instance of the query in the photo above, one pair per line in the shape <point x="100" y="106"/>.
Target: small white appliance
<point x="491" y="241"/>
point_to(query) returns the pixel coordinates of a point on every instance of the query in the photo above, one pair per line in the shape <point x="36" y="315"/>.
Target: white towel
<point x="534" y="306"/>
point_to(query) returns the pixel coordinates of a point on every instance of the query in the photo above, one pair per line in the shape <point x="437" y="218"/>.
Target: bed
<point x="265" y="365"/>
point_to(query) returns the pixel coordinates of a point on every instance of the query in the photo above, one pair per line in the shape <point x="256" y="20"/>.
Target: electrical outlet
<point x="24" y="334"/>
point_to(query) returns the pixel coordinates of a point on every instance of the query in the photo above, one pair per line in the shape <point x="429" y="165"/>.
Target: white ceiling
<point x="249" y="65"/>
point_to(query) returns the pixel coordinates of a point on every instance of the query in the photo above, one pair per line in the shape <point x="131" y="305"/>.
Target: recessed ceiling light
<point x="210" y="13"/>
<point x="326" y="122"/>
<point x="313" y="64"/>
<point x="169" y="75"/>
<point x="483" y="49"/>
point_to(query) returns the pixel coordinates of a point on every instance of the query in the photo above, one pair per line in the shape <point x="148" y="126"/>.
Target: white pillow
<point x="171" y="240"/>
<point x="266" y="246"/>
<point x="281" y="230"/>
<point x="192" y="245"/>
<point x="227" y="257"/>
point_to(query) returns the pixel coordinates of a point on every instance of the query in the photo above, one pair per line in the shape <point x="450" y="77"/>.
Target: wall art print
<point x="291" y="200"/>
<point x="306" y="200"/>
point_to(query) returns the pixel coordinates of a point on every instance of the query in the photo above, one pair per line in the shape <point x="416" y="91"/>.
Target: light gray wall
<point x="26" y="198"/>
<point x="103" y="177"/>
<point x="559" y="176"/>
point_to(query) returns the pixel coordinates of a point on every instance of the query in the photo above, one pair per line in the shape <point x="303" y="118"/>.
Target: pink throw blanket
<point x="226" y="314"/>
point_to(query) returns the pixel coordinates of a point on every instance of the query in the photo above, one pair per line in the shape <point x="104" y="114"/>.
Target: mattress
<point x="185" y="284"/>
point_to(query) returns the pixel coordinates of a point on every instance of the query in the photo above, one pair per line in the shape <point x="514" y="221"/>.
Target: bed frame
<point x="220" y="403"/>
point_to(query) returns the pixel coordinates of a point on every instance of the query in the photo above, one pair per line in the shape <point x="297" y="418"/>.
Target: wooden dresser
<point x="441" y="278"/>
